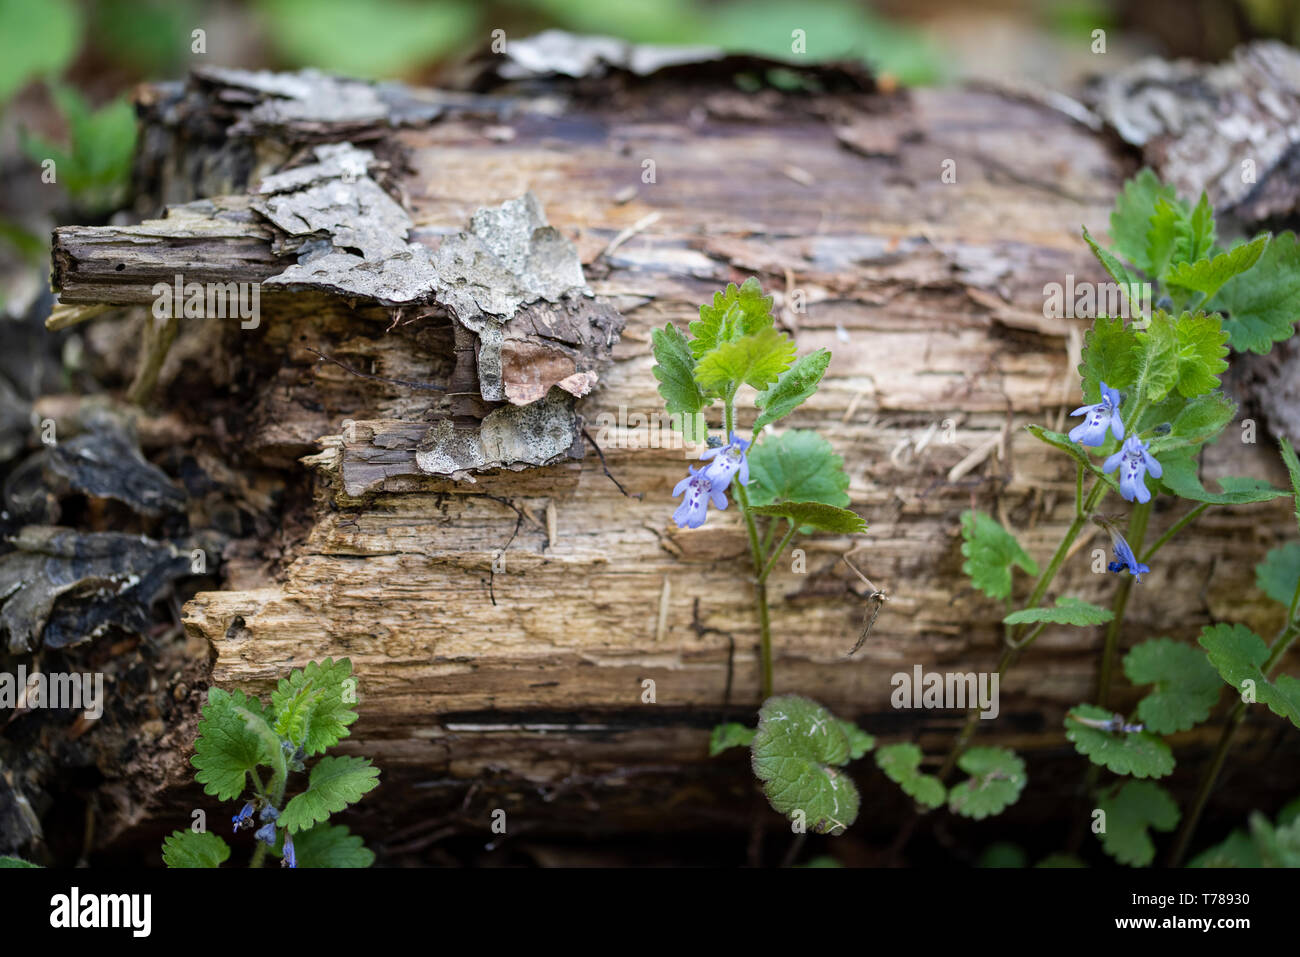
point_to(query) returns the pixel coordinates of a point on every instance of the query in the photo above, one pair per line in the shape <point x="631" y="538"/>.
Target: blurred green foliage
<point x="95" y="165"/>
<point x="37" y="39"/>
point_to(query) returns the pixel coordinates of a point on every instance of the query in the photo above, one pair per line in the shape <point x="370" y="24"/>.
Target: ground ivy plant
<point x="1151" y="401"/>
<point x="248" y="753"/>
<point x="784" y="485"/>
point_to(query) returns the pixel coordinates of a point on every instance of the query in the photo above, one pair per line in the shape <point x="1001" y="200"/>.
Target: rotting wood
<point x="520" y="669"/>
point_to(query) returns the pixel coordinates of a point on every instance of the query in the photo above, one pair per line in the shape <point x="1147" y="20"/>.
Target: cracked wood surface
<point x="502" y="630"/>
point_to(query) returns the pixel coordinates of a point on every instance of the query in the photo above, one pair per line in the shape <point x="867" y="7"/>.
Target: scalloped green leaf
<point x="1293" y="470"/>
<point x="675" y="370"/>
<point x="796" y="466"/>
<point x="1140" y="754"/>
<point x="334" y="783"/>
<point x="1261" y="306"/>
<point x="792" y="389"/>
<point x="1209" y="275"/>
<point x="1132" y="811"/>
<point x="1237" y="850"/>
<point x="1279" y="573"/>
<point x="1180" y="478"/>
<point x="1109" y="355"/>
<point x="817" y="515"/>
<point x="729" y="735"/>
<point x="1066" y="611"/>
<point x="1186" y="685"/>
<point x="333" y="692"/>
<point x="796" y="754"/>
<point x="997" y="776"/>
<point x="190" y="849"/>
<point x="901" y="764"/>
<point x="226" y="748"/>
<point x="860" y="742"/>
<point x="1239" y="655"/>
<point x="991" y="552"/>
<point x="1130" y="220"/>
<point x="331" y="845"/>
<point x="1127" y="281"/>
<point x="757" y="360"/>
<point x="736" y="311"/>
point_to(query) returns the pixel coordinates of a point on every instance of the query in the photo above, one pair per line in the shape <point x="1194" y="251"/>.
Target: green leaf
<point x="379" y="38"/>
<point x="335" y="782"/>
<point x="794" y="388"/>
<point x="1279" y="573"/>
<point x="1141" y="754"/>
<point x="860" y="742"/>
<point x="1202" y="233"/>
<point x="796" y="752"/>
<point x="1003" y="854"/>
<point x="331" y="845"/>
<point x="997" y="776"/>
<point x="1157" y="356"/>
<point x="15" y="862"/>
<point x="729" y="735"/>
<point x="1130" y="221"/>
<point x="1262" y="305"/>
<point x="826" y="518"/>
<point x="1237" y="850"/>
<point x="1068" y="611"/>
<point x="990" y="552"/>
<point x="756" y="360"/>
<point x="1169" y="230"/>
<point x="1061" y="441"/>
<point x="1278" y="846"/>
<point x="1209" y="275"/>
<point x="269" y="742"/>
<point x="796" y="466"/>
<point x="227" y="748"/>
<point x="901" y="764"/>
<point x="1201" y="344"/>
<point x="1195" y="421"/>
<point x="1131" y="812"/>
<point x="675" y="370"/>
<point x="1180" y="478"/>
<point x="36" y="39"/>
<point x="1186" y="685"/>
<point x="190" y="849"/>
<point x="738" y="311"/>
<point x="1128" y="283"/>
<point x="1239" y="655"/>
<point x="1293" y="469"/>
<point x="1109" y="355"/>
<point x="333" y="691"/>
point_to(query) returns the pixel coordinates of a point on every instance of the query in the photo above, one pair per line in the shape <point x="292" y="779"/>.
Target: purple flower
<point x="266" y="833"/>
<point x="244" y="817"/>
<point x="290" y="858"/>
<point x="1098" y="418"/>
<point x="1134" y="462"/>
<point x="268" y="814"/>
<point x="1126" y="558"/>
<point x="728" y="461"/>
<point x="699" y="491"/>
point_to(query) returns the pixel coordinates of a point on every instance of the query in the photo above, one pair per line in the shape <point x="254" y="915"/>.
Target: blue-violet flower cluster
<point x="710" y="483"/>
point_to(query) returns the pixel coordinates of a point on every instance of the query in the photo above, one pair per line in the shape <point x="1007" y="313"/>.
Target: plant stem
<point x="760" y="581"/>
<point x="1173" y="530"/>
<point x="1009" y="653"/>
<point x="1281" y="644"/>
<point x="1137" y="532"/>
<point x="776" y="553"/>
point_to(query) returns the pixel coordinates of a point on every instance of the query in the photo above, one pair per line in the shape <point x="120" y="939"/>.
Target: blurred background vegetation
<point x="67" y="66"/>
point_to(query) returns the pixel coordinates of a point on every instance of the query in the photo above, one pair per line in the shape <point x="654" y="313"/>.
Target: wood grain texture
<point x="503" y="629"/>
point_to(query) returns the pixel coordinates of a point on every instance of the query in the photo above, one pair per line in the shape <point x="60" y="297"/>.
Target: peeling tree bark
<point x="504" y="622"/>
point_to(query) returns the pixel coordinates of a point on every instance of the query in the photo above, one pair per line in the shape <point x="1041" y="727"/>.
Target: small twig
<point x="519" y="521"/>
<point x="876" y="601"/>
<point x="608" y="474"/>
<point x="645" y="222"/>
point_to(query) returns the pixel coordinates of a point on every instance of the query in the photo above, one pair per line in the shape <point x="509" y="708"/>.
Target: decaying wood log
<point x="505" y="607"/>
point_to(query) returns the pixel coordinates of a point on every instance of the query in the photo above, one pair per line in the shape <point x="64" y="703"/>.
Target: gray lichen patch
<point x="540" y="433"/>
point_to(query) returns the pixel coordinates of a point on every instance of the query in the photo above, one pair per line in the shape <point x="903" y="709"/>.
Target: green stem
<point x="1173" y="530"/>
<point x="760" y="583"/>
<point x="1279" y="648"/>
<point x="1137" y="533"/>
<point x="771" y="559"/>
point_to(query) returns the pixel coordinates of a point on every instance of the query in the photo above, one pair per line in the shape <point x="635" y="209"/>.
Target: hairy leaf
<point x="1130" y="221"/>
<point x="997" y="776"/>
<point x="227" y="749"/>
<point x="826" y="518"/>
<point x="675" y="370"/>
<point x="1132" y="811"/>
<point x="797" y="466"/>
<point x="990" y="552"/>
<point x="331" y="845"/>
<point x="756" y="360"/>
<point x="790" y="391"/>
<point x="1262" y="305"/>
<point x="1279" y="573"/>
<point x="1067" y="611"/>
<point x="334" y="783"/>
<point x="1186" y="685"/>
<point x="737" y="311"/>
<point x="1109" y="355"/>
<point x="901" y="764"/>
<point x="333" y="692"/>
<point x="190" y="849"/>
<point x="729" y="735"/>
<point x="1141" y="754"/>
<point x="1239" y="656"/>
